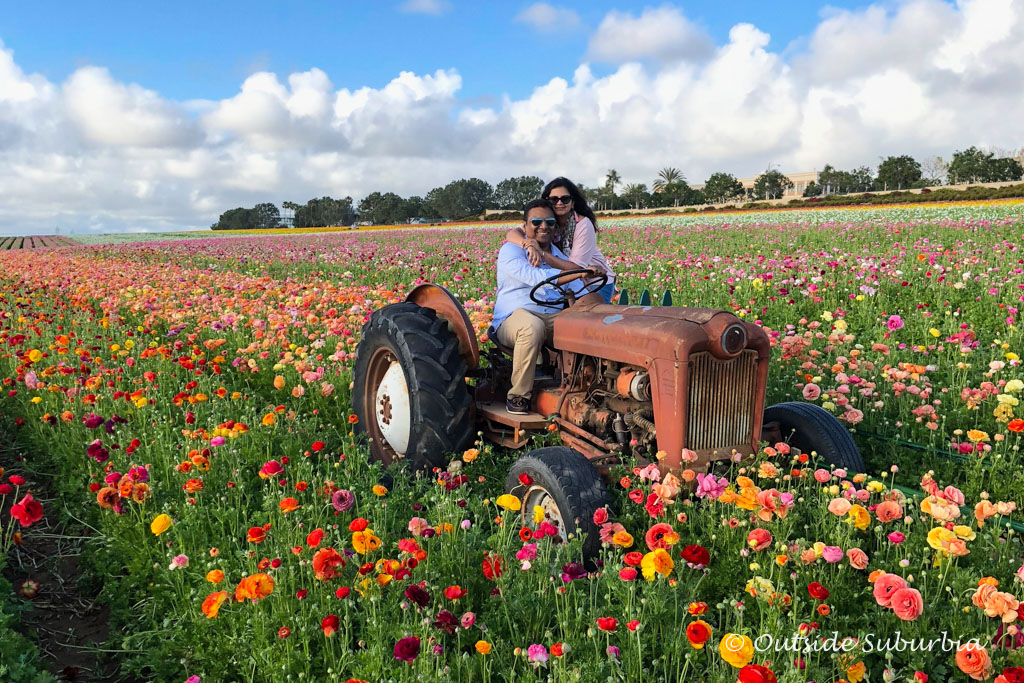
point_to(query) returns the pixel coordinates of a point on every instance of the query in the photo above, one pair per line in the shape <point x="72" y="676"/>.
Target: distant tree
<point x="834" y="181"/>
<point x="934" y="170"/>
<point x="721" y="187"/>
<point x="1006" y="169"/>
<point x="413" y="207"/>
<point x="266" y="216"/>
<point x="612" y="179"/>
<point x="771" y="184"/>
<point x="235" y="219"/>
<point x="667" y="176"/>
<point x="461" y="198"/>
<point x="861" y="180"/>
<point x="813" y="189"/>
<point x="514" y="193"/>
<point x="975" y="166"/>
<point x="898" y="173"/>
<point x="325" y="211"/>
<point x="636" y="194"/>
<point x="383" y="209"/>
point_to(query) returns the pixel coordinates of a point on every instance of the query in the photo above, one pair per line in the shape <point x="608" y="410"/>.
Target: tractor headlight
<point x="734" y="339"/>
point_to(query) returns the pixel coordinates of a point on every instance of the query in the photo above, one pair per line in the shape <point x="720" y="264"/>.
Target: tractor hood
<point x="639" y="334"/>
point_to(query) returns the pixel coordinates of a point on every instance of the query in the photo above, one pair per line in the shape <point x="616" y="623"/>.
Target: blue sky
<point x="136" y="116"/>
<point x="190" y="50"/>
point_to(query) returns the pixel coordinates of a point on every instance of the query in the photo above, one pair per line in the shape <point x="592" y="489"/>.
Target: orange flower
<point x="289" y="505"/>
<point x="193" y="485"/>
<point x="973" y="660"/>
<point x="106" y="497"/>
<point x="269" y="419"/>
<point x="215" y="576"/>
<point x="212" y="603"/>
<point x="255" y="587"/>
<point x="326" y="563"/>
<point x="1016" y="425"/>
<point x="353" y="419"/>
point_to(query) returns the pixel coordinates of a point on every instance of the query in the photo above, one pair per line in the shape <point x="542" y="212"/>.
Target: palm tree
<point x="612" y="179"/>
<point x="667" y="176"/>
<point x="635" y="193"/>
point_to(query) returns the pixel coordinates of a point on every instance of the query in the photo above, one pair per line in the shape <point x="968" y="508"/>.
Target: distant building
<point x="799" y="180"/>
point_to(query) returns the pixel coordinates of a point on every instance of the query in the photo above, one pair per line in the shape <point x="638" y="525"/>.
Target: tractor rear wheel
<point x="566" y="486"/>
<point x="810" y="427"/>
<point x="409" y="387"/>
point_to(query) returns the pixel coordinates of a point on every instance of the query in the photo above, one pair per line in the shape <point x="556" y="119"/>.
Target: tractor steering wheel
<point x="563" y="302"/>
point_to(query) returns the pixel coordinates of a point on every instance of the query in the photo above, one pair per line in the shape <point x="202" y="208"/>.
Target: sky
<point x="123" y="116"/>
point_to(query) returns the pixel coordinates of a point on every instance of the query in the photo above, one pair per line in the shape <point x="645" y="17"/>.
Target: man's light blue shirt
<point x="516" y="277"/>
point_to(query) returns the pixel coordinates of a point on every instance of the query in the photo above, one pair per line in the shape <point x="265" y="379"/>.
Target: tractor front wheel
<point x="409" y="387"/>
<point x="811" y="428"/>
<point x="566" y="487"/>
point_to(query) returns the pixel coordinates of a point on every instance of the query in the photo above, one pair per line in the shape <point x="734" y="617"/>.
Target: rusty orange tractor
<point x="617" y="381"/>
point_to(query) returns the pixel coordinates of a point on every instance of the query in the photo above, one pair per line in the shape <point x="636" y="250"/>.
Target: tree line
<point x="468" y="198"/>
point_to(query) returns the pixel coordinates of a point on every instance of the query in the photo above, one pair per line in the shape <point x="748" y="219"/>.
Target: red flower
<point x="284" y="632"/>
<point x="330" y="624"/>
<point x="608" y="624"/>
<point x="637" y="496"/>
<point x="557" y="649"/>
<point x="16" y="480"/>
<point x="655" y="506"/>
<point x="633" y="559"/>
<point x="358" y="524"/>
<point x="327" y="562"/>
<point x="314" y="537"/>
<point x="492" y="567"/>
<point x="454" y="592"/>
<point x="600" y="515"/>
<point x="817" y="591"/>
<point x="1013" y="674"/>
<point x="256" y="534"/>
<point x="525" y="535"/>
<point x="317" y="446"/>
<point x="1017" y="426"/>
<point x="28" y="511"/>
<point x="697" y="554"/>
<point x="301" y="594"/>
<point x="407" y="649"/>
<point x="525" y="479"/>
<point x="417" y="595"/>
<point x="633" y="625"/>
<point x="755" y="673"/>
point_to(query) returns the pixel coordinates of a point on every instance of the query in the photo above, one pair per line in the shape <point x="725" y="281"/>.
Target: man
<point x="519" y="322"/>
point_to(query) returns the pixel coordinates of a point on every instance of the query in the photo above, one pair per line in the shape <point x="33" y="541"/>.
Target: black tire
<point x="435" y="373"/>
<point x="571" y="481"/>
<point x="810" y="427"/>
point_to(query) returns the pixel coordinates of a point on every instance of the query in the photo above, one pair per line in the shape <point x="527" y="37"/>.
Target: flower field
<point x="188" y="401"/>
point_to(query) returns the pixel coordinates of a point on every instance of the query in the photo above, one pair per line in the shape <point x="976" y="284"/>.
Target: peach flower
<point x="885" y="586"/>
<point x="858" y="558"/>
<point x="907" y="603"/>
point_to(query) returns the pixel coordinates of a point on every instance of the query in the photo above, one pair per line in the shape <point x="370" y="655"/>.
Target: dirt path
<point x="70" y="626"/>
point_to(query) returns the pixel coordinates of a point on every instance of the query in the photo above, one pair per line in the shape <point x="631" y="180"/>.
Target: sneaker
<point x="517" y="405"/>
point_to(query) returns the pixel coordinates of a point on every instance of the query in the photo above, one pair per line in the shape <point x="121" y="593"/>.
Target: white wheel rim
<point x="392" y="410"/>
<point x="537" y="496"/>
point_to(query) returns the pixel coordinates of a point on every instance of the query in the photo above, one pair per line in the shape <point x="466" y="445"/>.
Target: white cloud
<point x="549" y="19"/>
<point x="922" y="78"/>
<point x="660" y="33"/>
<point x="434" y="7"/>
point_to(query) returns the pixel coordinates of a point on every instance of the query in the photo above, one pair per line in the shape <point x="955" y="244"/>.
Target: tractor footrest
<point x="508" y="429"/>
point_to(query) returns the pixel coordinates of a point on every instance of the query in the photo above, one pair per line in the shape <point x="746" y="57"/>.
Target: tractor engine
<point x="614" y="404"/>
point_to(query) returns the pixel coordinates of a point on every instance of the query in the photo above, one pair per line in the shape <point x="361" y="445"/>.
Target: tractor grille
<point x="722" y="397"/>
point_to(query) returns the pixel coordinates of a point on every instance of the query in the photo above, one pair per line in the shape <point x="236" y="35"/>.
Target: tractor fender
<point x="446" y="306"/>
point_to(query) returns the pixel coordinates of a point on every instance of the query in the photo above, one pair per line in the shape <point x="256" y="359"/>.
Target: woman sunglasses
<point x="564" y="199"/>
<point x="538" y="221"/>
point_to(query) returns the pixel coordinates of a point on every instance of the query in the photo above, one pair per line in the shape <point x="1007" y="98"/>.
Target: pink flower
<point x="821" y="476"/>
<point x="179" y="562"/>
<point x="954" y="495"/>
<point x="709" y="487"/>
<point x="527" y="552"/>
<point x="831" y="553"/>
<point x="811" y="392"/>
<point x="888" y="511"/>
<point x="538" y="654"/>
<point x="467" y="619"/>
<point x="853" y="416"/>
<point x="907" y="603"/>
<point x="600" y="516"/>
<point x="885" y="586"/>
<point x="218" y="441"/>
<point x="894" y="323"/>
<point x="896" y="538"/>
<point x="839" y="507"/>
<point x="417" y="525"/>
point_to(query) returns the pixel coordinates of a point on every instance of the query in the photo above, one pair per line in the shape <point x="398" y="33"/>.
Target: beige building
<point x="799" y="180"/>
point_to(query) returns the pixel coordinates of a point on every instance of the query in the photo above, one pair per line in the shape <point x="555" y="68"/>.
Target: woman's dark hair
<point x="579" y="202"/>
<point x="535" y="204"/>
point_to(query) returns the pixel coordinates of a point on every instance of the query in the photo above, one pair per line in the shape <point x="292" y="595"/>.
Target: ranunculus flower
<point x="817" y="591"/>
<point x="973" y="660"/>
<point x="407" y="649"/>
<point x="342" y="500"/>
<point x="538" y="654"/>
<point x="160" y="524"/>
<point x="736" y="649"/>
<point x="857" y="557"/>
<point x="697" y="633"/>
<point x="759" y="539"/>
<point x="885" y="586"/>
<point x="28" y="511"/>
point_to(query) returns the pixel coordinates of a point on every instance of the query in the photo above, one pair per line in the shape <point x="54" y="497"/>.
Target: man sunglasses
<point x="564" y="199"/>
<point x="538" y="221"/>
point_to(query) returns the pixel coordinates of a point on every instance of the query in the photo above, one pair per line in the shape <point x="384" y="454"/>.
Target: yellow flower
<point x="483" y="647"/>
<point x="623" y="538"/>
<point x="859" y="517"/>
<point x="509" y="502"/>
<point x="855" y="673"/>
<point x="939" y="537"/>
<point x="977" y="436"/>
<point x="364" y="541"/>
<point x="35" y="355"/>
<point x="735" y="649"/>
<point x="469" y="456"/>
<point x="656" y="562"/>
<point x="160" y="524"/>
<point x="1014" y="386"/>
<point x="538" y="514"/>
<point x="875" y="486"/>
<point x="965" y="532"/>
<point x="934" y="332"/>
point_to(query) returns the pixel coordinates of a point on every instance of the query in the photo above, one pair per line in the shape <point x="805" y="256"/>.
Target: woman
<point x="575" y="234"/>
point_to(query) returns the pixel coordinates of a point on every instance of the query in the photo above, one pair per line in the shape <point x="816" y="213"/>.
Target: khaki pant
<point x="525" y="332"/>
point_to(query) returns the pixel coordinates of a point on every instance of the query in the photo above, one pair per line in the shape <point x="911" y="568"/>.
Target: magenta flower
<point x="709" y="487"/>
<point x="894" y="323"/>
<point x="538" y="654"/>
<point x="407" y="649"/>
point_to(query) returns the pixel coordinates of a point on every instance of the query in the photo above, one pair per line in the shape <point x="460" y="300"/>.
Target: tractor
<point x="683" y="387"/>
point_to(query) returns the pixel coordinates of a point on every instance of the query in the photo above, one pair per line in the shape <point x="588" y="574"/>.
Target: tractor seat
<point x="492" y="335"/>
<point x="546" y="359"/>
